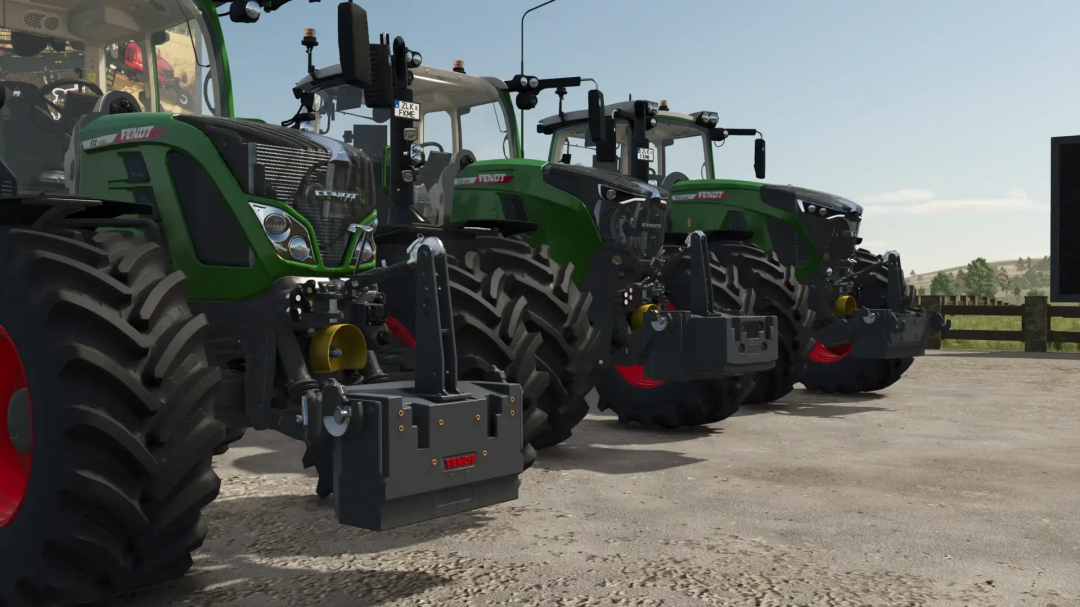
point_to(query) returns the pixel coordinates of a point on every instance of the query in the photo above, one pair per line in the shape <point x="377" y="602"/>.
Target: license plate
<point x="645" y="154"/>
<point x="407" y="110"/>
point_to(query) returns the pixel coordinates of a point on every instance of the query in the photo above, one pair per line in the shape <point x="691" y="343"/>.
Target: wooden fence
<point x="1035" y="314"/>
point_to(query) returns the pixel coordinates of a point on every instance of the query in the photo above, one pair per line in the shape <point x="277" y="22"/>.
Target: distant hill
<point x="923" y="280"/>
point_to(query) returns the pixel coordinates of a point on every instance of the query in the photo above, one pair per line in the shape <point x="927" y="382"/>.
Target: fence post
<point x="932" y="303"/>
<point x="1035" y="323"/>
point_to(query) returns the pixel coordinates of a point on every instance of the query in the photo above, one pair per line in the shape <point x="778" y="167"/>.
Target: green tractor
<point x="167" y="275"/>
<point x="867" y="329"/>
<point x="585" y="248"/>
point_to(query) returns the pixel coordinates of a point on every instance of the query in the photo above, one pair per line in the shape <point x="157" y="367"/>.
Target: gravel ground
<point x="959" y="486"/>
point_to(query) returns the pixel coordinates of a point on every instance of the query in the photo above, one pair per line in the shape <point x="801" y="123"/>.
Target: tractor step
<point x="406" y="458"/>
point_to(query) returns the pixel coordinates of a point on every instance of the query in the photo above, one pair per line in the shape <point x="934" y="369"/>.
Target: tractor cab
<point x="460" y="118"/>
<point x="680" y="144"/>
<point x="62" y="64"/>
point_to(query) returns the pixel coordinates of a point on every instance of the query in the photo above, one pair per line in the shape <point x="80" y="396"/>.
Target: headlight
<point x="713" y="118"/>
<point x="414" y="58"/>
<point x="534" y="82"/>
<point x="524" y="81"/>
<point x="289" y="237"/>
<point x="653" y="108"/>
<point x="276" y="225"/>
<point x="299" y="248"/>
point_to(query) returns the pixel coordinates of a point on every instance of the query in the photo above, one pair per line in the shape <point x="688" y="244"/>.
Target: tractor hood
<point x="820" y="199"/>
<point x="710" y="189"/>
<point x="329" y="183"/>
<point x="626" y="211"/>
<point x="719" y="189"/>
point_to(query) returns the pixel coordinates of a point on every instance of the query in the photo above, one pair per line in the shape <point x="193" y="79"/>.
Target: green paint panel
<point x="698" y="205"/>
<point x="565" y="223"/>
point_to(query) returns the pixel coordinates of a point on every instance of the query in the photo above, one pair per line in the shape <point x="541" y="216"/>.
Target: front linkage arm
<point x="327" y="408"/>
<point x="894" y="331"/>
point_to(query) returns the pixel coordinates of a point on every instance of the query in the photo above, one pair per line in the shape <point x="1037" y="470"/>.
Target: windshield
<point x="462" y="118"/>
<point x="680" y="150"/>
<point x="683" y="151"/>
<point x="572" y="145"/>
<point x="55" y="64"/>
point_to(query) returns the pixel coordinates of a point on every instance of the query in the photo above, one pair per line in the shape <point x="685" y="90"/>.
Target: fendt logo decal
<point x="460" y="461"/>
<point x="139" y="133"/>
<point x="709" y="195"/>
<point x="485" y="179"/>
<point x="335" y="204"/>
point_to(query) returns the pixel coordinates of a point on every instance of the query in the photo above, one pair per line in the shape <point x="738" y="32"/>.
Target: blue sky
<point x="935" y="115"/>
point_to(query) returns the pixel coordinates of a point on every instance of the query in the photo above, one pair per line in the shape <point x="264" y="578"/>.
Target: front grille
<point x="330" y="184"/>
<point x="638" y="224"/>
<point x="283" y="171"/>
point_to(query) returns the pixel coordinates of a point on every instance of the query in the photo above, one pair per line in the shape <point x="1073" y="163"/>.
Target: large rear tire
<point x="669" y="404"/>
<point x="556" y="309"/>
<point x="776" y="293"/>
<point x="834" y="370"/>
<point x="115" y="427"/>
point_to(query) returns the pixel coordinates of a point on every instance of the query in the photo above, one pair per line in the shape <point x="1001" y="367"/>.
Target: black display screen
<point x="1065" y="219"/>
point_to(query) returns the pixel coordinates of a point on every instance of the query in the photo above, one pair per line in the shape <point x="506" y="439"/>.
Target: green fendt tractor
<point x="582" y="246"/>
<point x="867" y="329"/>
<point x="163" y="275"/>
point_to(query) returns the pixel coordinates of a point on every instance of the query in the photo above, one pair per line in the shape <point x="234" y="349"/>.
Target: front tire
<point x="776" y="293"/>
<point x="120" y="418"/>
<point x="670" y="404"/>
<point x="834" y="370"/>
<point x="557" y="310"/>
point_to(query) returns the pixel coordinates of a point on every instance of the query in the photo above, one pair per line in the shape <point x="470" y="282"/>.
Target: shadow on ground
<point x="609" y="460"/>
<point x="803" y="403"/>
<point x="306" y="525"/>
<point x="608" y="431"/>
<point x="273" y="462"/>
<point x="240" y="579"/>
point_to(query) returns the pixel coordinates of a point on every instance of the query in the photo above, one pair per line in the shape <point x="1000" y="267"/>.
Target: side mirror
<point x="159" y="38"/>
<point x="759" y="158"/>
<point x="353" y="44"/>
<point x="596" y="115"/>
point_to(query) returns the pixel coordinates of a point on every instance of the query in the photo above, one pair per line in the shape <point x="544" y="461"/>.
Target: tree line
<point x="980" y="279"/>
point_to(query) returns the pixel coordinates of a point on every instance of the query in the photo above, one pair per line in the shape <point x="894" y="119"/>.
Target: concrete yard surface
<point x="958" y="486"/>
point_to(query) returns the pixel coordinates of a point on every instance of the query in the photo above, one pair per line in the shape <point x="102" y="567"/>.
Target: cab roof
<point x="628" y="106"/>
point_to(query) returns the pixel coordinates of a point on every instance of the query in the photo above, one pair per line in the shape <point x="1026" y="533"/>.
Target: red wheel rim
<point x="399" y="331"/>
<point x="635" y="374"/>
<point x="828" y="356"/>
<point x="14" y="465"/>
